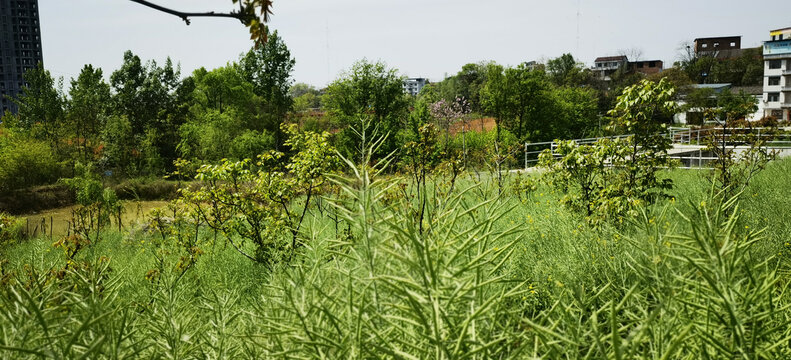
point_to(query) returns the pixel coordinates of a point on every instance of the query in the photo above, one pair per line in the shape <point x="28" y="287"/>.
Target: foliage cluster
<point x="609" y="179"/>
<point x="258" y="201"/>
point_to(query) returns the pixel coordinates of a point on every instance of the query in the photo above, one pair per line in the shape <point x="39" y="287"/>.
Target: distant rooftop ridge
<point x="718" y="37"/>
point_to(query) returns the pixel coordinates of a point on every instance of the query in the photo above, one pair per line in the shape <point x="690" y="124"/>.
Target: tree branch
<point x="244" y="18"/>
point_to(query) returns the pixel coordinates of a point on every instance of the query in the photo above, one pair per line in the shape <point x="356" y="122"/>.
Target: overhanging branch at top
<point x="245" y="18"/>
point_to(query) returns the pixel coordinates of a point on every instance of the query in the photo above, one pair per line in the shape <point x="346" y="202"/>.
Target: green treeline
<point x="148" y="114"/>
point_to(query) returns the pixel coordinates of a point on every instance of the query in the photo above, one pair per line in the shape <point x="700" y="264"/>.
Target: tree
<point x="567" y="71"/>
<point x="521" y="100"/>
<point x="697" y="102"/>
<point x="40" y="105"/>
<point x="254" y="14"/>
<point x="676" y="76"/>
<point x="148" y="96"/>
<point x="300" y="89"/>
<point x="307" y="102"/>
<point x="88" y="106"/>
<point x="226" y="89"/>
<point x="642" y="112"/>
<point x="495" y="96"/>
<point x="576" y="113"/>
<point x="733" y="171"/>
<point x="268" y="68"/>
<point x="743" y="69"/>
<point x="143" y="91"/>
<point x="469" y="82"/>
<point x="367" y="90"/>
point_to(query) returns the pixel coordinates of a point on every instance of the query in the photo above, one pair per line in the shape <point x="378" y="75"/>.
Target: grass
<point x="491" y="275"/>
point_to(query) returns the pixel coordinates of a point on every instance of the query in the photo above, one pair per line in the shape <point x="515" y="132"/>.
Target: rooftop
<point x="710" y="86"/>
<point x="718" y="37"/>
<point x="611" y="58"/>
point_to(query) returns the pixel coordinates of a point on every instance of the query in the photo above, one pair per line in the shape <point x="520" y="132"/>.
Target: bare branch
<point x="241" y="16"/>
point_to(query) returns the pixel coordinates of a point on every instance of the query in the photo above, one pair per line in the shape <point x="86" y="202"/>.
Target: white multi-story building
<point x="605" y="67"/>
<point x="777" y="75"/>
<point x="412" y="86"/>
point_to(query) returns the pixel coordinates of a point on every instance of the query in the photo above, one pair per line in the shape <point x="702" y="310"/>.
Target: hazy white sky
<point x="421" y="38"/>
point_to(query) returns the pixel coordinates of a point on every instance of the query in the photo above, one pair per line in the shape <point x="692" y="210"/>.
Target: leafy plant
<point x="97" y="205"/>
<point x="733" y="170"/>
<point x="260" y="202"/>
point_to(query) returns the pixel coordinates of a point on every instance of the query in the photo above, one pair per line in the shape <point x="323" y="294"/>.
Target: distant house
<point x="646" y="67"/>
<point x="413" y="86"/>
<point x="723" y="47"/>
<point x="694" y="116"/>
<point x="605" y="67"/>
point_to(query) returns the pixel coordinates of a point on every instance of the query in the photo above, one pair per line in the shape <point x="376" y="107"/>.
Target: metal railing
<point x="773" y="138"/>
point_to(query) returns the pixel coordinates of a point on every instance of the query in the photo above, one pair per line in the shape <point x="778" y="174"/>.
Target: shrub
<point x="251" y="143"/>
<point x="259" y="201"/>
<point x="27" y="162"/>
<point x="10" y="228"/>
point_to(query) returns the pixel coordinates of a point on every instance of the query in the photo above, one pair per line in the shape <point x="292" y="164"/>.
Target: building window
<point x="773" y="97"/>
<point x="704" y="45"/>
<point x="652" y="64"/>
<point x="774" y="81"/>
<point x="716" y="44"/>
<point x="775" y="64"/>
<point x="733" y="44"/>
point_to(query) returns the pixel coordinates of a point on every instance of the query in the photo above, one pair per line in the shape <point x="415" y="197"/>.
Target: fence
<point x="774" y="139"/>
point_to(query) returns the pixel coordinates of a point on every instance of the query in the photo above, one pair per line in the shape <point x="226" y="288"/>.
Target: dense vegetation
<point x="148" y="115"/>
<point x="357" y="222"/>
<point x="444" y="266"/>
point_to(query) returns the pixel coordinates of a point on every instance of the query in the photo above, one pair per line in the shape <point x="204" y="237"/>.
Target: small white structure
<point x="695" y="116"/>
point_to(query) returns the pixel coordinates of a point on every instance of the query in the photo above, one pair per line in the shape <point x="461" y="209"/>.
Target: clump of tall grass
<point x="397" y="291"/>
<point x="480" y="276"/>
<point x="698" y="294"/>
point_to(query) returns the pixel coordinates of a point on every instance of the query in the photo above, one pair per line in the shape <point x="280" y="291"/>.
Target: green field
<point x="489" y="273"/>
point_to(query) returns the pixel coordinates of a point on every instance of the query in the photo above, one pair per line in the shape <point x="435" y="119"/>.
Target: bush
<point x="27" y="162"/>
<point x="252" y="143"/>
<point x="146" y="189"/>
<point x="10" y="228"/>
<point x="480" y="145"/>
<point x="767" y="121"/>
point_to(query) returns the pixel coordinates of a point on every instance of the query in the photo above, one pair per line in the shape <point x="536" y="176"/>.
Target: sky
<point x="420" y="38"/>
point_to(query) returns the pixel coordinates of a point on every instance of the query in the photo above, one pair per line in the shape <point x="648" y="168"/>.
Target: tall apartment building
<point x="20" y="46"/>
<point x="777" y="75"/>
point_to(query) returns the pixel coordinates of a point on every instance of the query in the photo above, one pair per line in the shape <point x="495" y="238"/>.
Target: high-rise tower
<point x="20" y="46"/>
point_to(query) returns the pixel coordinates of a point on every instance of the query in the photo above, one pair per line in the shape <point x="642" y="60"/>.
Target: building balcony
<point x="785" y="88"/>
<point x="781" y="47"/>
